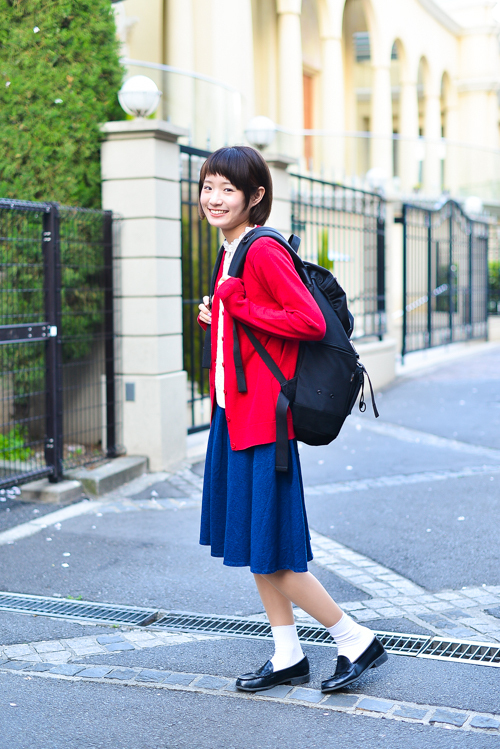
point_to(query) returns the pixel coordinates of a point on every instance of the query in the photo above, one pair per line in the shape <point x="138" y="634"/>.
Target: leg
<point x="287" y="648"/>
<point x="305" y="591"/>
<point x="288" y="664"/>
<point x="358" y="649"/>
<point x="278" y="607"/>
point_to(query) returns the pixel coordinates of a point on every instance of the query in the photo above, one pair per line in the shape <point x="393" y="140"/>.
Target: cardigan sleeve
<point x="297" y="317"/>
<point x="201" y="323"/>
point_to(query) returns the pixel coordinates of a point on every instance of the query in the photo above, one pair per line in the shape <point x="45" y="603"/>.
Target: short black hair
<point x="246" y="169"/>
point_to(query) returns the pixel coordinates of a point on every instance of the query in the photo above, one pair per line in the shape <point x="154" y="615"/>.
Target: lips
<point x="217" y="213"/>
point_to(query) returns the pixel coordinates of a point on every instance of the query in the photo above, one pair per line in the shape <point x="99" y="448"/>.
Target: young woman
<point x="253" y="515"/>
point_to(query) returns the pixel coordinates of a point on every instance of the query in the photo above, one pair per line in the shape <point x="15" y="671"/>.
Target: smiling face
<point x="224" y="205"/>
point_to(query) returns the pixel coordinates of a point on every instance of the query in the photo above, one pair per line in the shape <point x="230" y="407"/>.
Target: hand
<point x="205" y="311"/>
<point x="222" y="279"/>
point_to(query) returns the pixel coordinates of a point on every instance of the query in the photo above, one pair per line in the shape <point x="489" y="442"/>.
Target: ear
<point x="259" y="194"/>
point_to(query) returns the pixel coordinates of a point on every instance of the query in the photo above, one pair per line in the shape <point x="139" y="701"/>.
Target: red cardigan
<point x="272" y="300"/>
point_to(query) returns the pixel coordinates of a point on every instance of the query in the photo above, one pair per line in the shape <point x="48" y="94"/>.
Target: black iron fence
<point x="200" y="244"/>
<point x="57" y="357"/>
<point x="343" y="229"/>
<point x="445" y="276"/>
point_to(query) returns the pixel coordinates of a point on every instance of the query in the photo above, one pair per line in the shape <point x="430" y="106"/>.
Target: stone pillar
<point x="433" y="144"/>
<point x="281" y="214"/>
<point x="381" y="120"/>
<point x="332" y="106"/>
<point x="140" y="173"/>
<point x="291" y="94"/>
<point x="453" y="154"/>
<point x="408" y="144"/>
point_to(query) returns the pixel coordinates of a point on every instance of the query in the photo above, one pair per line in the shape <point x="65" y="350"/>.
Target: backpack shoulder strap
<point x="236" y="269"/>
<point x="281" y="461"/>
<point x="215" y="272"/>
<point x="294" y="242"/>
<point x="238" y="261"/>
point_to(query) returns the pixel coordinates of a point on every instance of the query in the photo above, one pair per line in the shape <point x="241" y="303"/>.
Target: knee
<point x="278" y="575"/>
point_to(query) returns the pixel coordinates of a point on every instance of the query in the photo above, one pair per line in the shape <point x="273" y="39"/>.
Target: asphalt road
<point x="433" y="518"/>
<point x="61" y="714"/>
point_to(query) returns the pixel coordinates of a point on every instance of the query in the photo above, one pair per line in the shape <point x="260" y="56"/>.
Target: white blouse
<point x="230" y="249"/>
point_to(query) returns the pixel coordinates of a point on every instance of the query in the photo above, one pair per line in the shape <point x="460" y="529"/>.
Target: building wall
<point x="262" y="48"/>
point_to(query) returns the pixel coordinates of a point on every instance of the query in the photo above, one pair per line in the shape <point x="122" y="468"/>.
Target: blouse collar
<point x="231" y="246"/>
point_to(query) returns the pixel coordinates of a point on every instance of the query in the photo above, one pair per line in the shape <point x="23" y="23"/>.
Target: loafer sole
<point x="294" y="682"/>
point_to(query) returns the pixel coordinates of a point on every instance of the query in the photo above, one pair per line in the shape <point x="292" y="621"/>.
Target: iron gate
<point x="57" y="359"/>
<point x="200" y="243"/>
<point x="445" y="276"/>
<point x="343" y="229"/>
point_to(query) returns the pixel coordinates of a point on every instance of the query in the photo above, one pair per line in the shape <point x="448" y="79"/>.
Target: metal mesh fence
<point x="444" y="276"/>
<point x="57" y="340"/>
<point x="22" y="360"/>
<point x="343" y="229"/>
<point x="87" y="336"/>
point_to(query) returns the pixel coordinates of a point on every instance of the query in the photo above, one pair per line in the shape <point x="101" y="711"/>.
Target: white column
<point x="409" y="144"/>
<point x="291" y="94"/>
<point x="381" y="119"/>
<point x="179" y="90"/>
<point x="433" y="148"/>
<point x="140" y="173"/>
<point x="332" y="106"/>
<point x="453" y="151"/>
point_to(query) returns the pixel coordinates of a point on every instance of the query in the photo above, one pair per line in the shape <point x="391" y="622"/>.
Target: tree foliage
<point x="59" y="78"/>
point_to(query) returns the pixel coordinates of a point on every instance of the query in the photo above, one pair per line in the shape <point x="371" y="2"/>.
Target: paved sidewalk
<point x="404" y="513"/>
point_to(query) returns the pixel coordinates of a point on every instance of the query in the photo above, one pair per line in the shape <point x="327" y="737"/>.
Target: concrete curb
<point x="44" y="492"/>
<point x="105" y="478"/>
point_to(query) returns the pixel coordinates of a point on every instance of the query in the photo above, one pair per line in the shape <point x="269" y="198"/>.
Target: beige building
<point x="404" y="91"/>
<point x="399" y="95"/>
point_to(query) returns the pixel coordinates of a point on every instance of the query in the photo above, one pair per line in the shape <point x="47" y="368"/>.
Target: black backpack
<point x="328" y="376"/>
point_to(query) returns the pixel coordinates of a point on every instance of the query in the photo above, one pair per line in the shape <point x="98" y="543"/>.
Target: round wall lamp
<point x="260" y="132"/>
<point x="139" y="96"/>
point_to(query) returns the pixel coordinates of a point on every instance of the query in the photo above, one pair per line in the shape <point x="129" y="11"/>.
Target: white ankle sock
<point x="352" y="639"/>
<point x="287" y="649"/>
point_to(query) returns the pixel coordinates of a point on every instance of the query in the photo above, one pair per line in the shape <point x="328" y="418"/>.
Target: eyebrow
<point x="226" y="182"/>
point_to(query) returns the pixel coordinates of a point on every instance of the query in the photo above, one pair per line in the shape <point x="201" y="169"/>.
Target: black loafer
<point x="266" y="677"/>
<point x="347" y="672"/>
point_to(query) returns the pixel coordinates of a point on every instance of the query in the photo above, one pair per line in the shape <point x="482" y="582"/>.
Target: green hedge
<point x="59" y="78"/>
<point x="494" y="286"/>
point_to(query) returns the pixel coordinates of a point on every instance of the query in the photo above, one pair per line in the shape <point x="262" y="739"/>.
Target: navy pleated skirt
<point x="252" y="515"/>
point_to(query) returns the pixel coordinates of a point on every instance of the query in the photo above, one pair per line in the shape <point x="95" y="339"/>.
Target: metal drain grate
<point x="486" y="654"/>
<point x="402" y="644"/>
<point x="394" y="642"/>
<point x="309" y="633"/>
<point x="466" y="652"/>
<point x="61" y="608"/>
<point x="213" y="625"/>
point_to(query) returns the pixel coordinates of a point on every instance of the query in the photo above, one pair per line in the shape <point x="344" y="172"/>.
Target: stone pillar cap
<point x="279" y="160"/>
<point x="142" y="128"/>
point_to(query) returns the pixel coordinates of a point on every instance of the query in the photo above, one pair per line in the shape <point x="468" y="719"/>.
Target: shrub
<point x="59" y="77"/>
<point x="13" y="445"/>
<point x="494" y="286"/>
